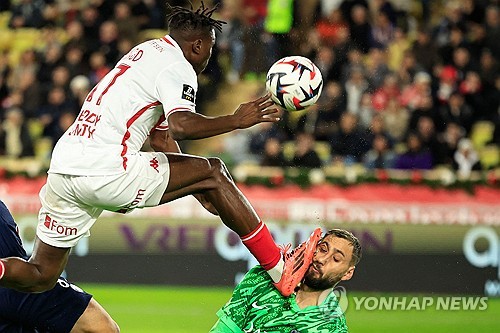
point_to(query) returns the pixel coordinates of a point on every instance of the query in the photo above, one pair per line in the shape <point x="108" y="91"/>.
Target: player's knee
<point x="219" y="169"/>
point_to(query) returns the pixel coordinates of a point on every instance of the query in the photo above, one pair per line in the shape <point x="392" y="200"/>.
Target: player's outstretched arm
<point x="39" y="273"/>
<point x="185" y="125"/>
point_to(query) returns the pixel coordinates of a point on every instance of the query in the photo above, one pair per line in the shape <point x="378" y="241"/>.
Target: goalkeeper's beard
<point x="321" y="282"/>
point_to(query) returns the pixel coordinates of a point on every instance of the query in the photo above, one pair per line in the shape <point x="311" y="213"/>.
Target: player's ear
<point x="196" y="46"/>
<point x="348" y="274"/>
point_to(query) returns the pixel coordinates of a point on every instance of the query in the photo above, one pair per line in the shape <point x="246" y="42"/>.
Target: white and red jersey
<point x="121" y="110"/>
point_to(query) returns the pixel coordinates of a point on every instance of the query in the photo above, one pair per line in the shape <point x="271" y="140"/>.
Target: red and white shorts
<point x="72" y="204"/>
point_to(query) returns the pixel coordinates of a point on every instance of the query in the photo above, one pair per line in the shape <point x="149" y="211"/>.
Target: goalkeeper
<point x="256" y="306"/>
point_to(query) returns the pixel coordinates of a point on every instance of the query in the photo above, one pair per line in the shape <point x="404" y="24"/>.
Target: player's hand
<point x="257" y="111"/>
<point x="206" y="204"/>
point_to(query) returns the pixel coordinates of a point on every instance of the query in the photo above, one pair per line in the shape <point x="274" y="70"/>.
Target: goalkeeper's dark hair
<point x="183" y="19"/>
<point x="353" y="240"/>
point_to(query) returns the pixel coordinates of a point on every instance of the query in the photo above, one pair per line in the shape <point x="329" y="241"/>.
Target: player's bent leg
<point x="210" y="177"/>
<point x="39" y="273"/>
<point x="95" y="320"/>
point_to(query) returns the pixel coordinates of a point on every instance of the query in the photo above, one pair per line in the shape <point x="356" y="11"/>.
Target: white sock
<point x="276" y="272"/>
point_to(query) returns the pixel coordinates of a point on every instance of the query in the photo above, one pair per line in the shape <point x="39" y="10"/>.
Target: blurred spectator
<point x="425" y="51"/>
<point x="147" y="14"/>
<point x="380" y="156"/>
<point x="278" y="24"/>
<point x="327" y="63"/>
<point x="376" y="128"/>
<point x="5" y="71"/>
<point x="471" y="89"/>
<point x="489" y="67"/>
<point x="230" y="41"/>
<point x="396" y="49"/>
<point x="52" y="57"/>
<point x="473" y="11"/>
<point x="108" y="42"/>
<point x="27" y="63"/>
<point x="126" y="24"/>
<point x="360" y="28"/>
<point x="305" y="156"/>
<point x="51" y="112"/>
<point x="348" y="144"/>
<point x="396" y="119"/>
<point x="259" y="138"/>
<point x="57" y="129"/>
<point x="415" y="95"/>
<point x="354" y="61"/>
<point x="416" y="157"/>
<point x="273" y="154"/>
<point x="447" y="84"/>
<point x="388" y="91"/>
<point x="74" y="61"/>
<point x="382" y="31"/>
<point x="32" y="94"/>
<point x="492" y="25"/>
<point x="15" y="139"/>
<point x="456" y="40"/>
<point x="322" y="118"/>
<point x="449" y="141"/>
<point x="456" y="111"/>
<point x="98" y="67"/>
<point x="426" y="130"/>
<point x="91" y="22"/>
<point x="355" y="86"/>
<point x="376" y="67"/>
<point x="408" y="69"/>
<point x="27" y="14"/>
<point x="466" y="159"/>
<point x="80" y="87"/>
<point x="254" y="13"/>
<point x="366" y="111"/>
<point x="463" y="63"/>
<point x="452" y="18"/>
<point x="330" y="27"/>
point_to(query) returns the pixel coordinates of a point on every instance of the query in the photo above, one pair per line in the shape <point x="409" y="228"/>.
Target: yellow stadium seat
<point x="4" y="20"/>
<point x="481" y="133"/>
<point x="6" y="39"/>
<point x="489" y="156"/>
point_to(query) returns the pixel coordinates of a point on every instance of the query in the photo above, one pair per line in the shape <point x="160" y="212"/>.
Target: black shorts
<point x="54" y="311"/>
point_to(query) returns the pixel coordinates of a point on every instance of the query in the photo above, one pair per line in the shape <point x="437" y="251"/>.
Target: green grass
<point x="149" y="309"/>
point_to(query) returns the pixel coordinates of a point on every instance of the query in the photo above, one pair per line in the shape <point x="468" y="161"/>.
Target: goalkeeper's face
<point x="331" y="264"/>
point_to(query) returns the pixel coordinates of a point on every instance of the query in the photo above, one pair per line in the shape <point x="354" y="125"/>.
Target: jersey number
<point x="122" y="68"/>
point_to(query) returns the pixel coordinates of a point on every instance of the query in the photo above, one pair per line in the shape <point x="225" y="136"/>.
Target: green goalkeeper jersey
<point x="256" y="306"/>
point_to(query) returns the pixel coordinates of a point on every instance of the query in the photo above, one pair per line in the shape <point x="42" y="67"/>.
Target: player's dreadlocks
<point x="181" y="18"/>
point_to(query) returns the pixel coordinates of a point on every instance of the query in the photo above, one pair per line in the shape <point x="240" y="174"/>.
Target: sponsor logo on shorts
<point x="154" y="164"/>
<point x="138" y="198"/>
<point x="188" y="93"/>
<point x="60" y="229"/>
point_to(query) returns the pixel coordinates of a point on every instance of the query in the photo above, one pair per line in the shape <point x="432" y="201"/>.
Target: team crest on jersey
<point x="188" y="93"/>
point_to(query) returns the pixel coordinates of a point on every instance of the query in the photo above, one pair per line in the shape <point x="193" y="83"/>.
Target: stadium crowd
<point x="407" y="84"/>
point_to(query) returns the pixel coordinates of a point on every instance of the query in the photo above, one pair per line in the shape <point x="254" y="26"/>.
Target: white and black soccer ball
<point x="294" y="83"/>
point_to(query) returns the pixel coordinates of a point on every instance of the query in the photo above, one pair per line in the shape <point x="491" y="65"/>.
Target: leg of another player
<point x="39" y="273"/>
<point x="95" y="320"/>
<point x="191" y="174"/>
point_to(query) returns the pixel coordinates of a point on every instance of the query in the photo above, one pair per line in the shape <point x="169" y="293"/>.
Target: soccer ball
<point x="294" y="83"/>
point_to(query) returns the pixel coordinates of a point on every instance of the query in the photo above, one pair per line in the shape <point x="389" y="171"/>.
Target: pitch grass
<point x="150" y="309"/>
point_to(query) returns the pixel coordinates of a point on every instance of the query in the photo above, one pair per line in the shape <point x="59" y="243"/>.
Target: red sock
<point x="260" y="243"/>
<point x="2" y="269"/>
